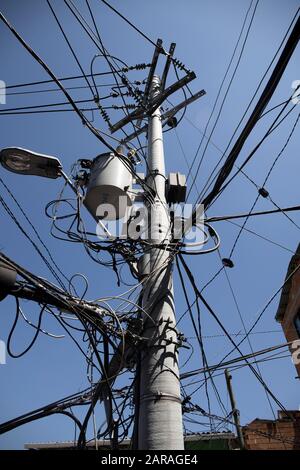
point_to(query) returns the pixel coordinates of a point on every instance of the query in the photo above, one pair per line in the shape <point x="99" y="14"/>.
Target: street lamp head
<point x="26" y="162"/>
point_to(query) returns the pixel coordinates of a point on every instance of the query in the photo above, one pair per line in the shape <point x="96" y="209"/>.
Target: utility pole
<point x="158" y="407"/>
<point x="158" y="401"/>
<point x="160" y="410"/>
<point x="235" y="411"/>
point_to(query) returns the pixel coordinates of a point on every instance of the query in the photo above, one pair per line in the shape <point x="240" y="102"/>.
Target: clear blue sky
<point x="205" y="32"/>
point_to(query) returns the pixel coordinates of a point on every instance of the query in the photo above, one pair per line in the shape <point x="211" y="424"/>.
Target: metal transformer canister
<point x="108" y="191"/>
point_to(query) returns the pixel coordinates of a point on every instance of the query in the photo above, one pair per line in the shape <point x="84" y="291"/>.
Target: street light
<point x="26" y="162"/>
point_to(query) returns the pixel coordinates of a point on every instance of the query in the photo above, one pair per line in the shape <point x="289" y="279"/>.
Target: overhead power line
<point x="61" y="79"/>
<point x="253" y="214"/>
<point x="125" y="332"/>
<point x="208" y="183"/>
<point x="47" y="69"/>
<point x="69" y="44"/>
<point x="255" y="115"/>
<point x="226" y="92"/>
<point x="130" y="23"/>
<point x="52" y="90"/>
<point x="48" y="105"/>
<point x="186" y="375"/>
<point x="236" y="346"/>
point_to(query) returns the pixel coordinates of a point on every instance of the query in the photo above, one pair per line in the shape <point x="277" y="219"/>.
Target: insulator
<point x="181" y="66"/>
<point x="127" y="106"/>
<point x="172" y="122"/>
<point x="104" y="115"/>
<point x="263" y="192"/>
<point x="227" y="263"/>
<point x="140" y="66"/>
<point x="136" y="97"/>
<point x="135" y="67"/>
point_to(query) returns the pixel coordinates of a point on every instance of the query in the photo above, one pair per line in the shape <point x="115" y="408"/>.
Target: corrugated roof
<point x="106" y="443"/>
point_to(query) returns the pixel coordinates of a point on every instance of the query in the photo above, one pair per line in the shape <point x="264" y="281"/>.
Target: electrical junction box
<point x="176" y="188"/>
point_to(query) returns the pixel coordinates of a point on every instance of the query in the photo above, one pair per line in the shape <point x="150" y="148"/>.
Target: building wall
<point x="291" y="311"/>
<point x="280" y="434"/>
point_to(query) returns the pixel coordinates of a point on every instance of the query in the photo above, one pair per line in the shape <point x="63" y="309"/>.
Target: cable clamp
<point x="160" y="396"/>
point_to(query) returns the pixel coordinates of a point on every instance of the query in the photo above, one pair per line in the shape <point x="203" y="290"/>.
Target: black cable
<point x="272" y="128"/>
<point x="69" y="44"/>
<point x="226" y="93"/>
<point x="61" y="79"/>
<point x="47" y="69"/>
<point x="38" y="329"/>
<point x="114" y="70"/>
<point x="50" y="90"/>
<point x="50" y="105"/>
<point x="131" y="24"/>
<point x="66" y="401"/>
<point x="255" y="115"/>
<point x="13" y="424"/>
<point x="222" y="365"/>
<point x="253" y="214"/>
<point x="35" y="246"/>
<point x="264" y="309"/>
<point x="21" y="113"/>
<point x="255" y="93"/>
<point x="33" y="228"/>
<point x="245" y="330"/>
<point x="200" y="341"/>
<point x="264" y="183"/>
<point x="94" y="21"/>
<point x="263" y="237"/>
<point x="62" y="323"/>
<point x="236" y="346"/>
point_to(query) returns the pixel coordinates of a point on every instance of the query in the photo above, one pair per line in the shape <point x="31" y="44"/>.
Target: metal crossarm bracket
<point x="157" y="51"/>
<point x="140" y="113"/>
<point x="167" y="114"/>
<point x="183" y="104"/>
<point x="167" y="66"/>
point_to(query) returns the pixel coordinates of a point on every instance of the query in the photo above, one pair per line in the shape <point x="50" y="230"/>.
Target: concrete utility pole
<point x="235" y="411"/>
<point x="160" y="410"/>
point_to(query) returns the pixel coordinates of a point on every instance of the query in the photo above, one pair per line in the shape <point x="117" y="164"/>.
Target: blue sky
<point x="205" y="33"/>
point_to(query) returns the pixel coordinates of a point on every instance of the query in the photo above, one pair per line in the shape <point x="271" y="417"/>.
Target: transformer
<point x="108" y="190"/>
